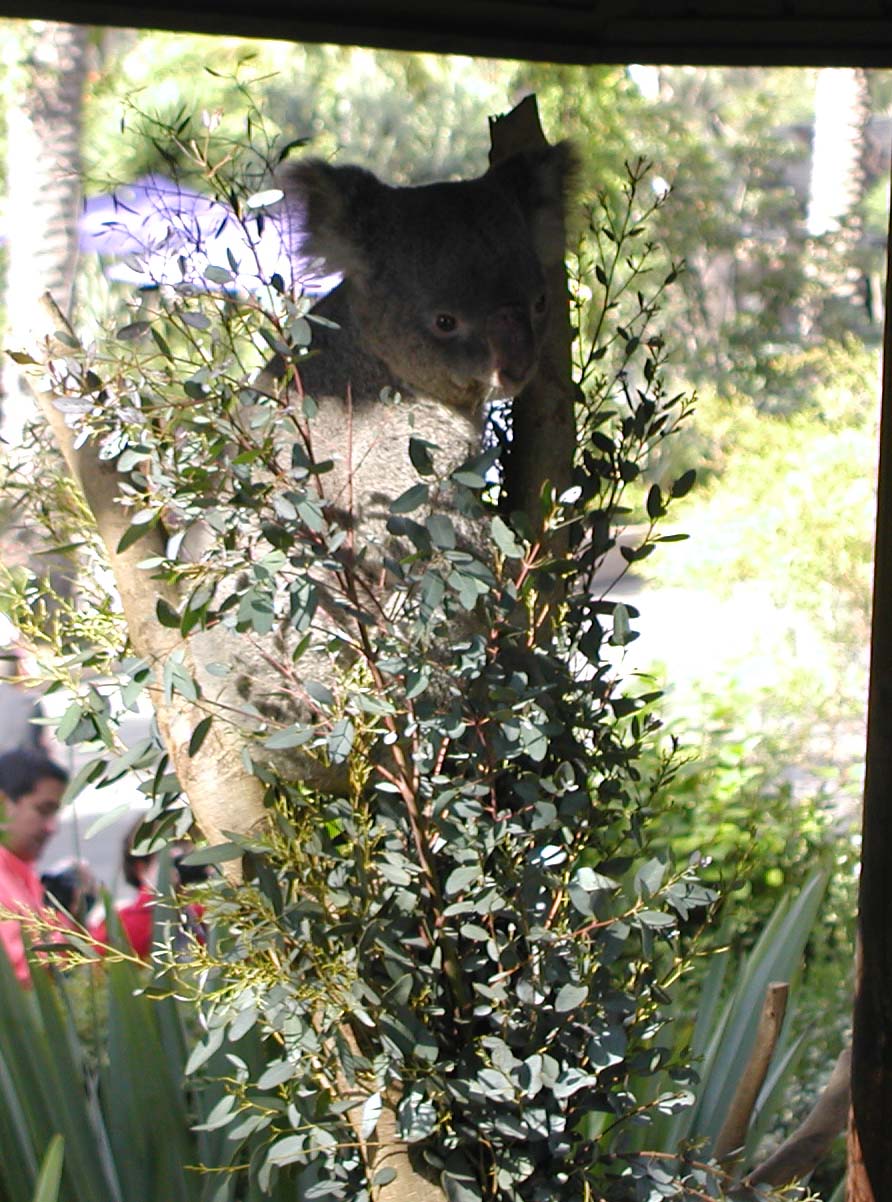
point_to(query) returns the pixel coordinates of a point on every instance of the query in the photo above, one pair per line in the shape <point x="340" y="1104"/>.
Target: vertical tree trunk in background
<point x="46" y="70"/>
<point x="870" y="1148"/>
<point x="836" y="185"/>
<point x="46" y="74"/>
<point x="837" y="169"/>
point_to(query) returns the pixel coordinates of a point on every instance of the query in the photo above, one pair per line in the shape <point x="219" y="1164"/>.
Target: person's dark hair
<point x="129" y="861"/>
<point x="67" y="887"/>
<point x="21" y="770"/>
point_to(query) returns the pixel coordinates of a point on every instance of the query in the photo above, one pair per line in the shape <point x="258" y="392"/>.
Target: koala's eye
<point x="445" y="323"/>
<point x="540" y="304"/>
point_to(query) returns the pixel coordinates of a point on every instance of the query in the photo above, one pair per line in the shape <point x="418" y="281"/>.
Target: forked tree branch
<point x="808" y="1145"/>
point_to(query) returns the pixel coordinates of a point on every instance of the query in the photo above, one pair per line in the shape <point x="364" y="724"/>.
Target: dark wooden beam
<point x="871" y="1171"/>
<point x="814" y="33"/>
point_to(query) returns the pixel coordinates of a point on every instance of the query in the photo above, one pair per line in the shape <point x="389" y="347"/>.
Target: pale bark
<point x="46" y="72"/>
<point x="46" y="65"/>
<point x="842" y="110"/>
<point x="389" y="1151"/>
<point x="837" y="170"/>
<point x="223" y="795"/>
<point x="384" y="1149"/>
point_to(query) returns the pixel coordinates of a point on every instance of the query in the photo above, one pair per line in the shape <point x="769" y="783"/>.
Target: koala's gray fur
<point x="468" y="255"/>
<point x="443" y="301"/>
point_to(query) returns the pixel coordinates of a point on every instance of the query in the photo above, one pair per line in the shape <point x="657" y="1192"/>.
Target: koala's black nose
<point x="512" y="346"/>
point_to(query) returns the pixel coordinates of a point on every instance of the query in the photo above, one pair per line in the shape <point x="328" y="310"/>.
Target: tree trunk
<point x="46" y="69"/>
<point x="223" y="795"/>
<point x="842" y="108"/>
<point x="543" y="417"/>
<point x="391" y="1153"/>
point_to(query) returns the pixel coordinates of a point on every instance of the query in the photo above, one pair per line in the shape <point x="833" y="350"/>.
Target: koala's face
<point x="454" y="298"/>
<point x="446" y="281"/>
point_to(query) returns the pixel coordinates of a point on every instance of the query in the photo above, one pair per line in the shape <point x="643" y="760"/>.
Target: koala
<point x="443" y="302"/>
<point x="443" y="293"/>
<point x="441" y="309"/>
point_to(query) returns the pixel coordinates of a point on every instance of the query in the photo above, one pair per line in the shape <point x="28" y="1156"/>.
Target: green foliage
<point x="412" y="117"/>
<point x="602" y="109"/>
<point x="798" y="491"/>
<point x="734" y="146"/>
<point x="738" y="800"/>
<point x="733" y="804"/>
<point x="619" y="282"/>
<point x="717" y="137"/>
<point x="496" y="1006"/>
<point x="50" y="1177"/>
<point x="115" y="1133"/>
<point x="725" y="1016"/>
<point x="784" y="530"/>
<point x="726" y="1020"/>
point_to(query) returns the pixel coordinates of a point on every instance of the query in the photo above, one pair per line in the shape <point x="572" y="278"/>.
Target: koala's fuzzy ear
<point x="330" y="207"/>
<point x="542" y="180"/>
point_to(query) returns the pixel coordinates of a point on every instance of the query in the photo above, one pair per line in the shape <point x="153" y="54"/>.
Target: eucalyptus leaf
<point x="570" y="997"/>
<point x="410" y="499"/>
<point x="505" y="540"/>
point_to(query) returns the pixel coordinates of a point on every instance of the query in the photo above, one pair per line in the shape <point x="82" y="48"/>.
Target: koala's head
<point x="445" y="281"/>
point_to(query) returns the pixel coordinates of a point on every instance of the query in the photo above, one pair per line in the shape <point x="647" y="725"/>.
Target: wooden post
<point x="870" y="1173"/>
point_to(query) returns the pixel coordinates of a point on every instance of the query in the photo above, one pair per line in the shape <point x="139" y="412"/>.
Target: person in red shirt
<point x="137" y="921"/>
<point x="31" y="785"/>
<point x="137" y="917"/>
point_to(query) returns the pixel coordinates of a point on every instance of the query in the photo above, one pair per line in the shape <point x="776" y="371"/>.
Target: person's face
<point x="32" y="819"/>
